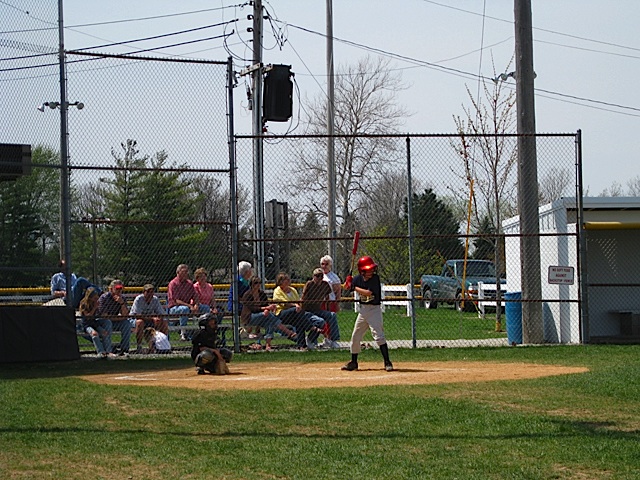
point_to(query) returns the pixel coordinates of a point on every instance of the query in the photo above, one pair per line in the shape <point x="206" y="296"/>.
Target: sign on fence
<point x="560" y="275"/>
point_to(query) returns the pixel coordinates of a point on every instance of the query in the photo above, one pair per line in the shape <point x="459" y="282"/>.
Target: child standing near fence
<point x="367" y="285"/>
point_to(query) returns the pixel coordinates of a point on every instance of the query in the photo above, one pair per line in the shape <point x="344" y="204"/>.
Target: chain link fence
<point x="29" y="78"/>
<point x="153" y="182"/>
<point x="148" y="168"/>
<point x="613" y="280"/>
<point x="455" y="242"/>
<point x="150" y="174"/>
<point x="149" y="193"/>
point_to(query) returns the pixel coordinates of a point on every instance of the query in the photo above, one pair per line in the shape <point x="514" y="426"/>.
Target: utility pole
<point x="331" y="156"/>
<point x="233" y="200"/>
<point x="532" y="326"/>
<point x="65" y="214"/>
<point x="258" y="171"/>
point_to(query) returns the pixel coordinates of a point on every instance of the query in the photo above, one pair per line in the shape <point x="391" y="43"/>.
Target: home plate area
<point x="295" y="375"/>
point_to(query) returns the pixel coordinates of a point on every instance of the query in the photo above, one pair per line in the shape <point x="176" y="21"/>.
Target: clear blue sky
<point x="583" y="49"/>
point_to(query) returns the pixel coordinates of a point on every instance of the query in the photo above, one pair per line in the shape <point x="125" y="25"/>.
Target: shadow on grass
<point x="561" y="429"/>
<point x="89" y="366"/>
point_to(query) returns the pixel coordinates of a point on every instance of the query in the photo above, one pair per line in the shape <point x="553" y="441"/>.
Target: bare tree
<point x="633" y="186"/>
<point x="388" y="208"/>
<point x="364" y="105"/>
<point x="554" y="184"/>
<point x="489" y="160"/>
<point x="614" y="190"/>
<point x="617" y="190"/>
<point x="88" y="200"/>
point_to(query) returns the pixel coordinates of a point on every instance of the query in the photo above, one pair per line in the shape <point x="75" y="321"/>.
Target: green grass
<point x="582" y="426"/>
<point x="444" y="323"/>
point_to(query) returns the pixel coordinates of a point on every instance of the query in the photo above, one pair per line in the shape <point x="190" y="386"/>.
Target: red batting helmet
<point x="366" y="263"/>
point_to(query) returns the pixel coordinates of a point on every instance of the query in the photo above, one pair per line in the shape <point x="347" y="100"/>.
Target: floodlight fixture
<point x="54" y="105"/>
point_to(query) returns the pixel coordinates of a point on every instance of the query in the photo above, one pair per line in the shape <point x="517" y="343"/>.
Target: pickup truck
<point x="447" y="287"/>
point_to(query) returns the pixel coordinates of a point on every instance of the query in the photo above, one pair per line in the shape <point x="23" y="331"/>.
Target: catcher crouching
<point x="207" y="353"/>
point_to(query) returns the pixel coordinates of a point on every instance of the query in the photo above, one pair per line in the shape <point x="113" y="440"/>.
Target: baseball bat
<point x="354" y="251"/>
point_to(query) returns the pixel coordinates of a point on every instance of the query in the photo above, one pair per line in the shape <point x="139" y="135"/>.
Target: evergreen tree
<point x="122" y="193"/>
<point x="484" y="247"/>
<point x="29" y="213"/>
<point x="436" y="231"/>
<point x="166" y="237"/>
<point x="436" y="239"/>
<point x="151" y="226"/>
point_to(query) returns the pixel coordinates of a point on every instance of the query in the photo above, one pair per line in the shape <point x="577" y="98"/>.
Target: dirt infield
<point x="256" y="376"/>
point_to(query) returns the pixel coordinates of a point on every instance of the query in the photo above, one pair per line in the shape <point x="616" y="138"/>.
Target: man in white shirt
<point x="150" y="314"/>
<point x="333" y="305"/>
<point x="326" y="263"/>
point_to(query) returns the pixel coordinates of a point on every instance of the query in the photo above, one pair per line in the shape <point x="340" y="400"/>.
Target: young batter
<point x="367" y="284"/>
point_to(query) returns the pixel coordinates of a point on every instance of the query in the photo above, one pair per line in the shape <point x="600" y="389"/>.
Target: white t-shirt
<point x="332" y="279"/>
<point x="141" y="307"/>
<point x="162" y="341"/>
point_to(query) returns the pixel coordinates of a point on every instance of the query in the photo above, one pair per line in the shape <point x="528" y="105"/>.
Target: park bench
<point x="190" y="329"/>
<point x="392" y="295"/>
<point x="629" y="322"/>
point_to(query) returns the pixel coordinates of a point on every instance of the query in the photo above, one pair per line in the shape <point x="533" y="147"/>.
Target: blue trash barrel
<point x="513" y="312"/>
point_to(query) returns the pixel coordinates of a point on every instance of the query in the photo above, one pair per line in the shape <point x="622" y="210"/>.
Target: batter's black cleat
<point x="351" y="366"/>
<point x="200" y="371"/>
<point x="388" y="367"/>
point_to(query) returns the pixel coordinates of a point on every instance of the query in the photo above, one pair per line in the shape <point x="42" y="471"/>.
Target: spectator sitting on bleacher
<point x="256" y="311"/>
<point x="113" y="306"/>
<point x="147" y="304"/>
<point x="79" y="286"/>
<point x="59" y="281"/>
<point x="315" y="295"/>
<point x="245" y="272"/>
<point x="206" y="293"/>
<point x="182" y="297"/>
<point x="290" y="312"/>
<point x="99" y="329"/>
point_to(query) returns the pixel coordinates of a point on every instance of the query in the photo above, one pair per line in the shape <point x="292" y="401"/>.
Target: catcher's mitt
<point x="221" y="368"/>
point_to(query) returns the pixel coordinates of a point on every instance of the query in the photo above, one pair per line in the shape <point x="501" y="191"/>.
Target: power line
<point x="577" y="37"/>
<point x="155" y="37"/>
<point x="178" y="44"/>
<point x="599" y="102"/>
<point x="137" y="51"/>
<point x="593" y="50"/>
<point x="454" y="71"/>
<point x="475" y="51"/>
<point x="27" y="13"/>
<point x="127" y="20"/>
<point x="593" y="107"/>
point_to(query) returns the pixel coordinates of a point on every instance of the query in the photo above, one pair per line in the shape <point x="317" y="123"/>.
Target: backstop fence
<point x="463" y="208"/>
<point x="157" y="179"/>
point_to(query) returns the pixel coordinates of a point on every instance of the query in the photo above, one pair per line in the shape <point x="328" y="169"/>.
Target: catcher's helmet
<point x="203" y="320"/>
<point x="366" y="263"/>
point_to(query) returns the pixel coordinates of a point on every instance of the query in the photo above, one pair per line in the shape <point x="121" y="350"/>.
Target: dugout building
<point x="594" y="297"/>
